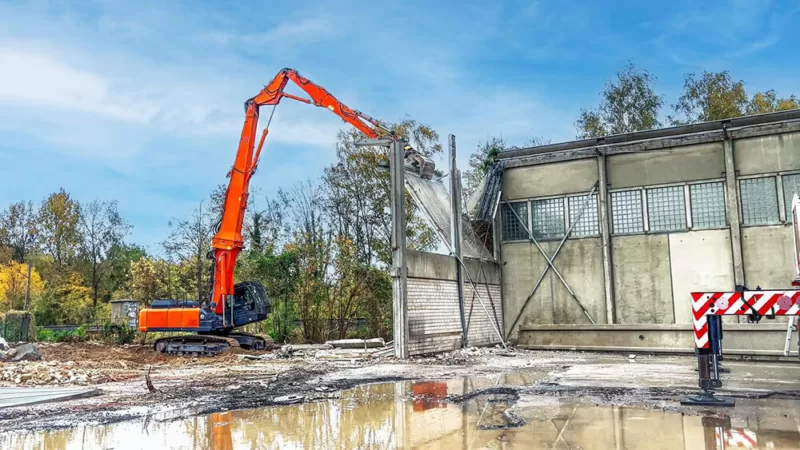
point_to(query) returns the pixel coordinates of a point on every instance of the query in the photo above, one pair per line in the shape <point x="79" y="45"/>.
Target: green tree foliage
<point x="102" y="230"/>
<point x="766" y="102"/>
<point x="189" y="243"/>
<point x="717" y="96"/>
<point x="627" y="104"/>
<point x="19" y="230"/>
<point x="713" y="96"/>
<point x="358" y="192"/>
<point x="58" y="219"/>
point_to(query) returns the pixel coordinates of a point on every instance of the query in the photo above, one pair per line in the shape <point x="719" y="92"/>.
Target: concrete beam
<point x="568" y="153"/>
<point x="605" y="233"/>
<point x="739" y="338"/>
<point x="455" y="236"/>
<point x="399" y="268"/>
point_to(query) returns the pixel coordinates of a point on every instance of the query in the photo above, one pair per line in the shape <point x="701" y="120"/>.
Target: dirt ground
<point x="190" y="386"/>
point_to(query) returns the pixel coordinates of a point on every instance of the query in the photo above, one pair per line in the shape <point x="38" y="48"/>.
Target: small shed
<point x="125" y="310"/>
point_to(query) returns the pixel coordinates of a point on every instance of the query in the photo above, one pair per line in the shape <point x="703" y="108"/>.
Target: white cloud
<point x="44" y="81"/>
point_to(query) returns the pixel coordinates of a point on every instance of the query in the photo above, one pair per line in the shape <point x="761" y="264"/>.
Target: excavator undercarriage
<point x="208" y="344"/>
<point x="212" y="334"/>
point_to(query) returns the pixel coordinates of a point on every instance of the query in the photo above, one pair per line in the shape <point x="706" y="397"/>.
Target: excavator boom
<point x="235" y="304"/>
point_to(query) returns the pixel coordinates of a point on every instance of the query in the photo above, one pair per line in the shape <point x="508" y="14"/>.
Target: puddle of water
<point x="416" y="416"/>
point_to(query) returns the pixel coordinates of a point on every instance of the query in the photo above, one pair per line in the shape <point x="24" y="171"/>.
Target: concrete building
<point x="676" y="210"/>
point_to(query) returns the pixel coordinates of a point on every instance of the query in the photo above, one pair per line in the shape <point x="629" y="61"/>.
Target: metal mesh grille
<point x="626" y="212"/>
<point x="708" y="205"/>
<point x="759" y="201"/>
<point x="588" y="224"/>
<point x="666" y="209"/>
<point x="791" y="186"/>
<point x="548" y="218"/>
<point x="513" y="229"/>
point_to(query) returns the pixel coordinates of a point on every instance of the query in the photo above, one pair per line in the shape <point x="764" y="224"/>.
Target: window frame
<point x="527" y="217"/>
<point x="778" y="194"/>
<point x="690" y="205"/>
<point x="567" y="217"/>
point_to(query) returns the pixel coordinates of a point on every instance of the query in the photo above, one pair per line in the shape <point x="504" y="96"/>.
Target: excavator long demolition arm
<point x="227" y="242"/>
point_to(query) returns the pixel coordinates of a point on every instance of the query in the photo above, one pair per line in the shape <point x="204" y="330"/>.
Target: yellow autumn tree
<point x="13" y="279"/>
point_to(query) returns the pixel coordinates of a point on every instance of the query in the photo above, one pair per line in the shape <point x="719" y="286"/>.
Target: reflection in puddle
<point x="416" y="415"/>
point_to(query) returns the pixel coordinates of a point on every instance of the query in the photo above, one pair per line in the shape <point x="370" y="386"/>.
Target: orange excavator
<point x="232" y="305"/>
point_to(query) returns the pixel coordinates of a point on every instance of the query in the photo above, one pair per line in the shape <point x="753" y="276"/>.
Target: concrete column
<point x="455" y="236"/>
<point x="399" y="269"/>
<point x="605" y="233"/>
<point x="732" y="207"/>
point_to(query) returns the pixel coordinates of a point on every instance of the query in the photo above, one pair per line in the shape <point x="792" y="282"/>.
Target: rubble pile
<point x="463" y="356"/>
<point x="49" y="373"/>
<point x="345" y="350"/>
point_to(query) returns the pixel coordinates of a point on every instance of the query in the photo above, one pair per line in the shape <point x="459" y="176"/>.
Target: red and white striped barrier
<point x="704" y="304"/>
<point x="739" y="438"/>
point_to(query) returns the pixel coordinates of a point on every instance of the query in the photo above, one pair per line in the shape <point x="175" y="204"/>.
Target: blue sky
<point x="142" y="101"/>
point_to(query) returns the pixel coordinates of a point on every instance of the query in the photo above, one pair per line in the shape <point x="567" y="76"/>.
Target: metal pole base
<point x="720" y="369"/>
<point x="707" y="398"/>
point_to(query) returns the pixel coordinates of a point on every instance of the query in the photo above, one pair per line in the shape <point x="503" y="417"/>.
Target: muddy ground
<point x="188" y="386"/>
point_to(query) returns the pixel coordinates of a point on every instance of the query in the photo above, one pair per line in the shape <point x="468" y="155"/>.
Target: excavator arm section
<point x="228" y="242"/>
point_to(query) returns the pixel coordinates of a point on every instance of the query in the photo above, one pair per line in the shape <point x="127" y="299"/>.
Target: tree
<point x="717" y="96"/>
<point x="102" y="229"/>
<point x="480" y="161"/>
<point x="190" y="242"/>
<point x="357" y="192"/>
<point x="714" y="96"/>
<point x="627" y="105"/>
<point x="153" y="278"/>
<point x="119" y="276"/>
<point x="19" y="229"/>
<point x="58" y="218"/>
<point x="14" y="283"/>
<point x="766" y="102"/>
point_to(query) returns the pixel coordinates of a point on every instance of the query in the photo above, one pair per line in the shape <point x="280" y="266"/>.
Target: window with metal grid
<point x="548" y="218"/>
<point x="513" y="228"/>
<point x="708" y="205"/>
<point x="666" y="209"/>
<point x="759" y="201"/>
<point x="588" y="225"/>
<point x="791" y="186"/>
<point x="626" y="212"/>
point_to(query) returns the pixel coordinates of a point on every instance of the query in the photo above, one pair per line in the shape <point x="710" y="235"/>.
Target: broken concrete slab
<point x="10" y="397"/>
<point x="26" y="352"/>
<point x="357" y="343"/>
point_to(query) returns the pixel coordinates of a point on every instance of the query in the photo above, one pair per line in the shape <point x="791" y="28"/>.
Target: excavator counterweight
<point x="232" y="305"/>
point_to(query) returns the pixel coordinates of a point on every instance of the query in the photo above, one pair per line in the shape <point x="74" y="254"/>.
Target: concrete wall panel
<point x="700" y="260"/>
<point x="698" y="162"/>
<point x="768" y="253"/>
<point x="580" y="262"/>
<point x="550" y="179"/>
<point x="642" y="281"/>
<point x="522" y="265"/>
<point x="767" y="153"/>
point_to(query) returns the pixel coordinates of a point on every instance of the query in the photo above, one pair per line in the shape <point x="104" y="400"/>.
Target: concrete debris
<point x="26" y="352"/>
<point x="357" y="343"/>
<point x="346" y="350"/>
<point x="303" y="349"/>
<point x="41" y="373"/>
